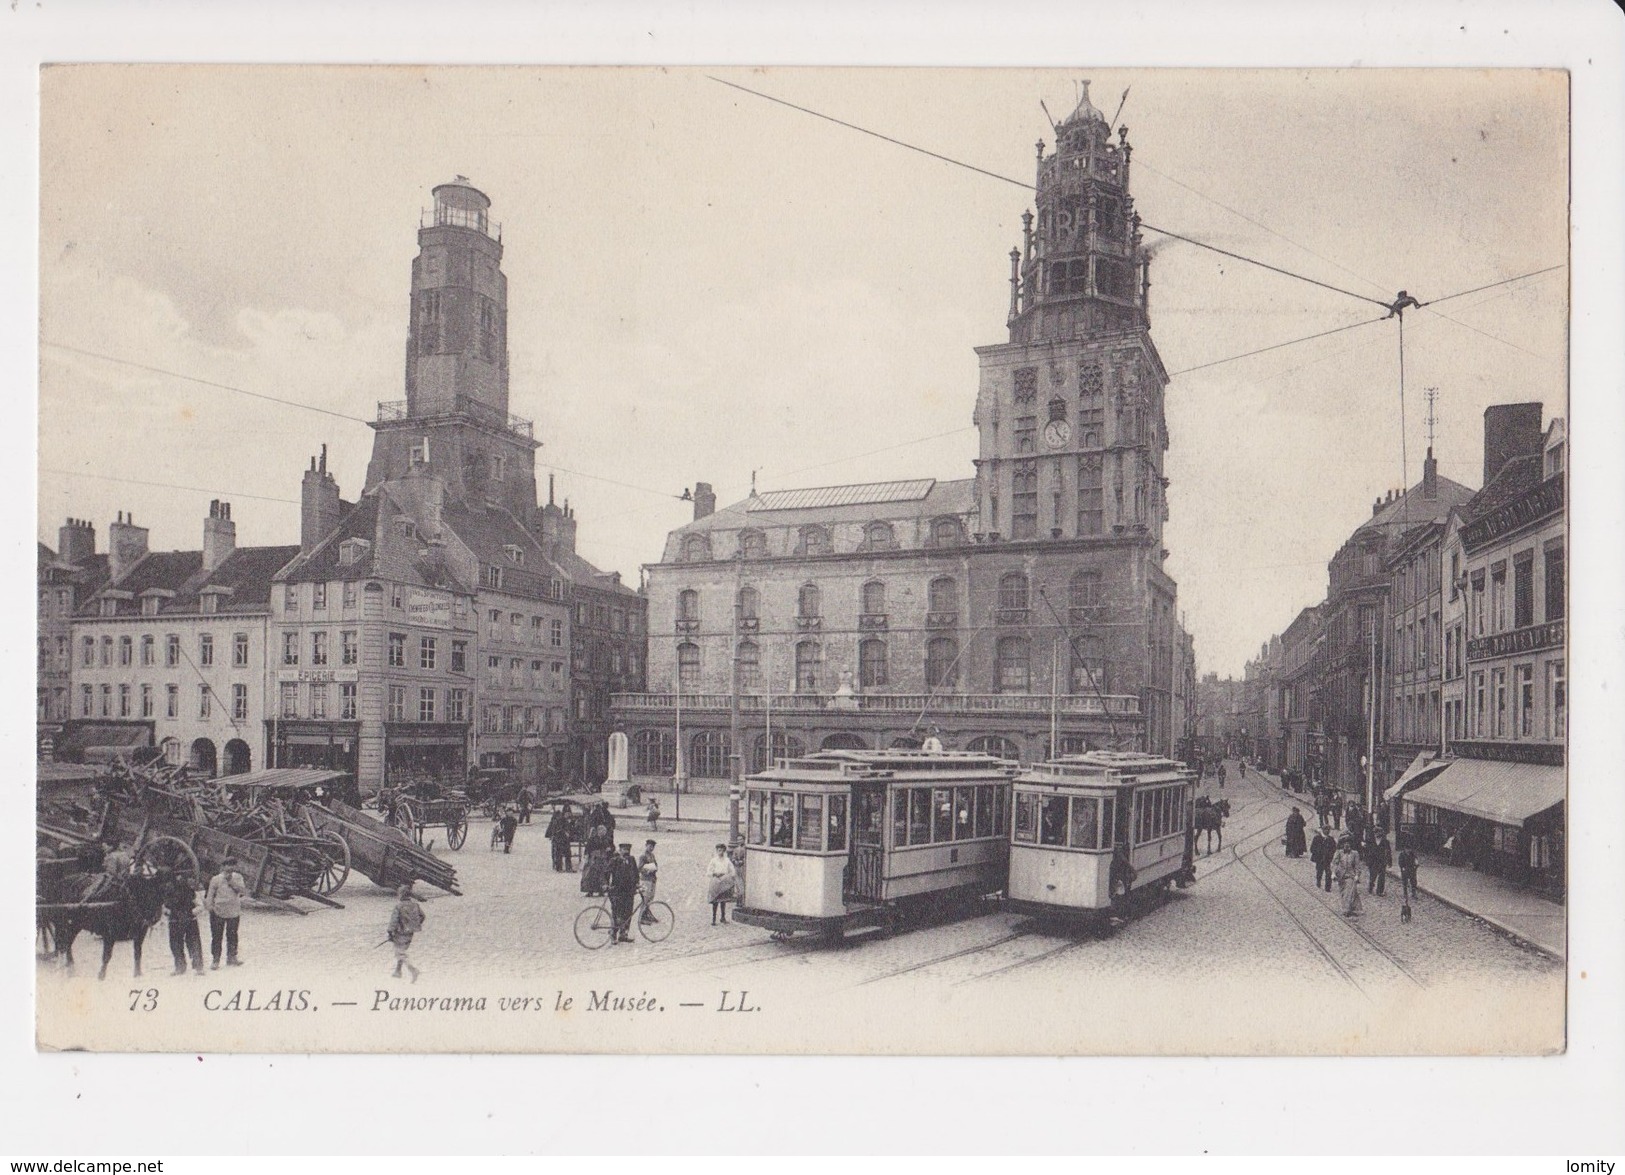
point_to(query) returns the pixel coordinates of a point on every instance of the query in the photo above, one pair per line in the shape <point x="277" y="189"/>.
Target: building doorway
<point x="203" y="756"/>
<point x="237" y="756"/>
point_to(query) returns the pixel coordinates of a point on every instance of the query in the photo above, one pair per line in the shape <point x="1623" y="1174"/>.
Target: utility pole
<point x="677" y="757"/>
<point x="1371" y="719"/>
<point x="734" y="774"/>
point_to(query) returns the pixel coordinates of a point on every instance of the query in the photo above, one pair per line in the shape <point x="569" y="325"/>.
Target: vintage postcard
<point x="952" y="561"/>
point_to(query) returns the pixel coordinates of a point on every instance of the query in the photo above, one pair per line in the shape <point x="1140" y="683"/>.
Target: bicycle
<point x="595" y="925"/>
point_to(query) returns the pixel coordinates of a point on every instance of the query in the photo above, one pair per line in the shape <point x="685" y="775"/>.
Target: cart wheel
<point x="489" y="808"/>
<point x="403" y="819"/>
<point x="456" y="830"/>
<point x="336" y="868"/>
<point x="165" y="854"/>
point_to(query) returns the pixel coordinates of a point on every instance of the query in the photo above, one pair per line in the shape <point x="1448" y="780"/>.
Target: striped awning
<point x="1504" y="793"/>
<point x="1423" y="768"/>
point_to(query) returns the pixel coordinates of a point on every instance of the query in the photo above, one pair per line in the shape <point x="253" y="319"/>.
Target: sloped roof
<point x="1411" y="508"/>
<point x="942" y="497"/>
<point x="871" y="493"/>
<point x="248" y="572"/>
<point x="1516" y="478"/>
<point x="322" y="562"/>
<point x="167" y="570"/>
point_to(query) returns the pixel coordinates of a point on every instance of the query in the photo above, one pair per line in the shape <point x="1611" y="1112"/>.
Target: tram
<point x="1093" y="832"/>
<point x="841" y="840"/>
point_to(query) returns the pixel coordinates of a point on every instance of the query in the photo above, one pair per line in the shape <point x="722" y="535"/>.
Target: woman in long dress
<point x="595" y="873"/>
<point x="721" y="880"/>
<point x="1346" y="872"/>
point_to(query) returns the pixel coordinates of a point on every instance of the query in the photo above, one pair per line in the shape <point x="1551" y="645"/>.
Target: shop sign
<point x="428" y="611"/>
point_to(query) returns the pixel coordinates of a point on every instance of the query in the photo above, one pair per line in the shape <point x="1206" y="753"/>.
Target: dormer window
<point x="493" y="575"/>
<point x="515" y="553"/>
<point x="351" y="551"/>
<point x="406" y="528"/>
<point x="149" y="605"/>
<point x="109" y="607"/>
<point x="210" y="602"/>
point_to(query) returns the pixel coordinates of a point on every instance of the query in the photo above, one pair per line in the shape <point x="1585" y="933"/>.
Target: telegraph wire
<point x="1265" y="265"/>
<point x="167" y="485"/>
<point x="1275" y="347"/>
<point x="1492" y="285"/>
<point x="1486" y="334"/>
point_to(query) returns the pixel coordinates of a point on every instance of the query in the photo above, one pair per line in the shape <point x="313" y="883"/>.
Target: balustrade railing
<point x="1039" y="704"/>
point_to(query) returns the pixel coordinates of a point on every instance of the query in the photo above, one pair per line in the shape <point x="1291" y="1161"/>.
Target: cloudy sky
<point x="703" y="284"/>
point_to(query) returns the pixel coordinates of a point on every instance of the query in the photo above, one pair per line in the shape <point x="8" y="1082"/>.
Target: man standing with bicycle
<point x="623" y="890"/>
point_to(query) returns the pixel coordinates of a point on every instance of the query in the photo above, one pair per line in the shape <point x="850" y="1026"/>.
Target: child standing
<point x="722" y="878"/>
<point x="404" y="923"/>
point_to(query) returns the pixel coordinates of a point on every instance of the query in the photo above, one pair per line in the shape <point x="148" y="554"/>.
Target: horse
<point x="132" y="907"/>
<point x="1210" y="818"/>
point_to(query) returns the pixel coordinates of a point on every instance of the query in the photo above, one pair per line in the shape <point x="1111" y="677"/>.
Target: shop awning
<point x="102" y="735"/>
<point x="1423" y="768"/>
<point x="1505" y="793"/>
<point x="283" y="778"/>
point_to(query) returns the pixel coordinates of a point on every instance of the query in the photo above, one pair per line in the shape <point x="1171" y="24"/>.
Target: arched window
<point x="814" y="540"/>
<point x="750" y="666"/>
<point x="1084" y="590"/>
<point x="946" y="532"/>
<point x="1089" y="665"/>
<point x="944" y="595"/>
<point x="688" y="606"/>
<point x="941" y="662"/>
<point x="1014" y="665"/>
<point x="808" y="601"/>
<point x="843" y="741"/>
<point x="748" y="603"/>
<point x="697" y="548"/>
<point x="785" y="746"/>
<point x="874" y="598"/>
<point x="752" y="544"/>
<point x="806" y="667"/>
<point x="872" y="663"/>
<point x="654" y="752"/>
<point x="688" y="666"/>
<point x="708" y="755"/>
<point x="992" y="744"/>
<point x="878" y="536"/>
<point x="1013" y="592"/>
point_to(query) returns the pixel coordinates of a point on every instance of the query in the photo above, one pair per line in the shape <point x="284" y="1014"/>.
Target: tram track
<point x="940" y="959"/>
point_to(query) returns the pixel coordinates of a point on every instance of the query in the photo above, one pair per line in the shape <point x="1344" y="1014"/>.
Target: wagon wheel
<point x="165" y="854"/>
<point x="457" y="827"/>
<point x="490" y="808"/>
<point x="336" y="867"/>
<point x="402" y="817"/>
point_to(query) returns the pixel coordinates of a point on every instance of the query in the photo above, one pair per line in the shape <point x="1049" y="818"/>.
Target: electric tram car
<point x="841" y="840"/>
<point x="1093" y="832"/>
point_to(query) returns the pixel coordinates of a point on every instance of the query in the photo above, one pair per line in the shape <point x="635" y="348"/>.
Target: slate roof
<point x="942" y="498"/>
<point x="1517" y="477"/>
<point x="322" y="563"/>
<point x="247" y="571"/>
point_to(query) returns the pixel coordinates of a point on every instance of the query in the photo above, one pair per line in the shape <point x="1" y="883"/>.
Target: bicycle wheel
<point x="660" y="929"/>
<point x="594" y="927"/>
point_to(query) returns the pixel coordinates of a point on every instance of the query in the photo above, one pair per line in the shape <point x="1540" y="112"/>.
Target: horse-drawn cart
<point x="422" y="807"/>
<point x="382" y="852"/>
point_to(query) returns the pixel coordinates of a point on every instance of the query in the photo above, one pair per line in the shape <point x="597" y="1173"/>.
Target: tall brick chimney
<point x="1430" y="477"/>
<point x="318" y="503"/>
<point x="219" y="535"/>
<point x="705" y="500"/>
<point x="1510" y="431"/>
<point x="126" y="544"/>
<point x="76" y="542"/>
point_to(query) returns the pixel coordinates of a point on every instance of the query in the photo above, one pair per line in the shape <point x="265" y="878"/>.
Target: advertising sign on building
<point x="430" y="611"/>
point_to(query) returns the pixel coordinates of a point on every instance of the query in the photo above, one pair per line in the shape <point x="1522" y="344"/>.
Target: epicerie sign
<point x="429" y="611"/>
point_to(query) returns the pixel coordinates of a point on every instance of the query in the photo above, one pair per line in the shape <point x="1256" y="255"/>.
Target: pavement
<point x="1514" y="911"/>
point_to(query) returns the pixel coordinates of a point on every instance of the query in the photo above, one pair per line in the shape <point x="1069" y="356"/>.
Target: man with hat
<point x="623" y="888"/>
<point x="404" y="922"/>
<point x="224" y="902"/>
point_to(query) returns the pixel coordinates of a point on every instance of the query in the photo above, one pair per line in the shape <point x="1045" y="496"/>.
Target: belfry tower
<point x="454" y="423"/>
<point x="1071" y="408"/>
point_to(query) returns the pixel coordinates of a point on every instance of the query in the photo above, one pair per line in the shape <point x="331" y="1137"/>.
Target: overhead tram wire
<point x="1276" y="346"/>
<point x="167" y="485"/>
<point x="225" y="387"/>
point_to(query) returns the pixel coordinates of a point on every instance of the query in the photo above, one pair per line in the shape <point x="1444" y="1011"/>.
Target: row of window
<point x="127" y="701"/>
<point x="521" y="720"/>
<point x="1078" y="822"/>
<point x="1502" y="704"/>
<point x="818" y="540"/>
<point x="942" y="596"/>
<point x="1489" y="598"/>
<point x="542" y="631"/>
<point x="123" y="650"/>
<point x="349" y="598"/>
<point x="551" y="677"/>
<point x="936" y="815"/>
<point x="1014" y="667"/>
<point x="785" y="820"/>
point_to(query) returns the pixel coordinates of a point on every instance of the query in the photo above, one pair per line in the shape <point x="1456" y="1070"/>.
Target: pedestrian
<point x="1346" y="872"/>
<point x="558" y="835"/>
<point x="1295" y="825"/>
<point x="405" y="921"/>
<point x="1407" y="872"/>
<point x="652" y="813"/>
<point x="606" y="818"/>
<point x="1378" y="856"/>
<point x="648" y="877"/>
<point x="1336" y="807"/>
<point x="526" y="799"/>
<point x="1354" y="821"/>
<point x="1321" y="852"/>
<point x="182" y="906"/>
<point x="721" y="879"/>
<point x="509" y="826"/>
<point x="595" y="869"/>
<point x="224" y="901"/>
<point x="623" y="888"/>
<point x="1221" y="775"/>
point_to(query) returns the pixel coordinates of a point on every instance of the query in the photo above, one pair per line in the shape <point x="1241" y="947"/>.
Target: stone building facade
<point x="988" y="612"/>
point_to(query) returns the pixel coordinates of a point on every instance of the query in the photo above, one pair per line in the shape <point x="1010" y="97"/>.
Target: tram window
<point x="810" y="824"/>
<point x="899" y="818"/>
<point x="942" y="803"/>
<point x="984" y="812"/>
<point x="1026" y="817"/>
<point x="837" y="824"/>
<point x="1001" y="810"/>
<point x="1142" y="823"/>
<point x="919" y="816"/>
<point x="756" y="824"/>
<point x="1085" y="822"/>
<point x="782" y="835"/>
<point x="1052" y="821"/>
<point x="1107" y="826"/>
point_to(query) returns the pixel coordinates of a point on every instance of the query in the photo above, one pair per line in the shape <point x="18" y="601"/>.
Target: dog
<point x="1405" y="912"/>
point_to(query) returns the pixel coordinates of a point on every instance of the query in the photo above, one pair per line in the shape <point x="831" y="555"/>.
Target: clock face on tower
<point x="1057" y="433"/>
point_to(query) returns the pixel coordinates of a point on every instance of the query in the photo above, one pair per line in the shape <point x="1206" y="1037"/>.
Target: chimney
<point x="705" y="500"/>
<point x="1510" y="431"/>
<point x="558" y="524"/>
<point x="219" y="535"/>
<point x="126" y="544"/>
<point x="76" y="542"/>
<point x="319" y="505"/>
<point x="1430" y="477"/>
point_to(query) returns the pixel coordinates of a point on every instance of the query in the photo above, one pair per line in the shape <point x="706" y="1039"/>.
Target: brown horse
<point x="1209" y="818"/>
<point x="115" y="912"/>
